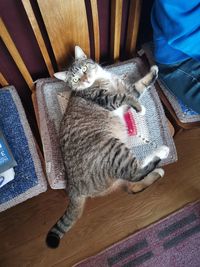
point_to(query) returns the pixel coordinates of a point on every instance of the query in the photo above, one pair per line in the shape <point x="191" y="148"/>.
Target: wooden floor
<point x="105" y="221"/>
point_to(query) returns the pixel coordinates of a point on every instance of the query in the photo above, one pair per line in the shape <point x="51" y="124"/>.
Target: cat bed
<point x="150" y="131"/>
<point x="183" y="113"/>
<point x="29" y="178"/>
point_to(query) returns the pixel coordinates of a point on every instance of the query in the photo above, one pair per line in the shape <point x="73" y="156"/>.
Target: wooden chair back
<point x="67" y="24"/>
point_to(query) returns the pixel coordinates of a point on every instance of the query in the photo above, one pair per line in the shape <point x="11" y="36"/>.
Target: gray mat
<point x="52" y="97"/>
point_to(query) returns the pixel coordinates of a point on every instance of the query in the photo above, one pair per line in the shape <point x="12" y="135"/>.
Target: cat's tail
<point x="64" y="224"/>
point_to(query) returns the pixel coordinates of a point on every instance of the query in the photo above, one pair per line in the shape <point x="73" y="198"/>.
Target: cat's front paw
<point x="137" y="107"/>
<point x="143" y="110"/>
<point x="154" y="72"/>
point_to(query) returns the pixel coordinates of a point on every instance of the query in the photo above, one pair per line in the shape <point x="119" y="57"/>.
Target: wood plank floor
<point x="105" y="220"/>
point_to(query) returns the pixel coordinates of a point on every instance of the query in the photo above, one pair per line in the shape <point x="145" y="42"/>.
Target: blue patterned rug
<point x="171" y="242"/>
<point x="29" y="178"/>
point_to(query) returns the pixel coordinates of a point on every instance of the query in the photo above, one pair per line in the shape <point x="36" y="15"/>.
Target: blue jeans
<point x="183" y="80"/>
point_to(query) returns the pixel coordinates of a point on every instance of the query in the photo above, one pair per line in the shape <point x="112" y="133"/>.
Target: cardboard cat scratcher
<point x="145" y="133"/>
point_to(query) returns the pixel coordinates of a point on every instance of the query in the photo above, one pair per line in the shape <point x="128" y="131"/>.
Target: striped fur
<point x="92" y="138"/>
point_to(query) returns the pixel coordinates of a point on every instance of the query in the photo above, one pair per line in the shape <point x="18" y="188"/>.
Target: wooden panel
<point x="133" y="25"/>
<point x="4" y="34"/>
<point x="95" y="18"/>
<point x="3" y="80"/>
<point x="38" y="35"/>
<point x="66" y="24"/>
<point x="116" y="21"/>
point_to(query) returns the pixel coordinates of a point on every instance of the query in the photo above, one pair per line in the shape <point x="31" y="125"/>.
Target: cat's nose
<point x="84" y="78"/>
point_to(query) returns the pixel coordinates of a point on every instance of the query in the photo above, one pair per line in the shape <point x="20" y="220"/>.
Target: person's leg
<point x="183" y="80"/>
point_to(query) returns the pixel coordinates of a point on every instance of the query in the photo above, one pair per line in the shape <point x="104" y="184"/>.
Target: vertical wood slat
<point x="66" y="25"/>
<point x="38" y="35"/>
<point x="133" y="26"/>
<point x="4" y="34"/>
<point x="3" y="80"/>
<point x="116" y="21"/>
<point x="95" y="19"/>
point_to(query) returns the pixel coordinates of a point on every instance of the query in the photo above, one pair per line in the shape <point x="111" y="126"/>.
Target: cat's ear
<point x="62" y="75"/>
<point x="79" y="54"/>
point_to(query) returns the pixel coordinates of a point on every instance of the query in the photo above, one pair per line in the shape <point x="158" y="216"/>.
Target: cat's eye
<point x="75" y="79"/>
<point x="84" y="68"/>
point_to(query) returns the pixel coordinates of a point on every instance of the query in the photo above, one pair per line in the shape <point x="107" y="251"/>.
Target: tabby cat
<point x="93" y="137"/>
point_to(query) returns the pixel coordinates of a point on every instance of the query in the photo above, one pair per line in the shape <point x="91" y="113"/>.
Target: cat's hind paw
<point x="162" y="152"/>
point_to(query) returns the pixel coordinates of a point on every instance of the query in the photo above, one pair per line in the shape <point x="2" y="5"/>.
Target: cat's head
<point x="82" y="73"/>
